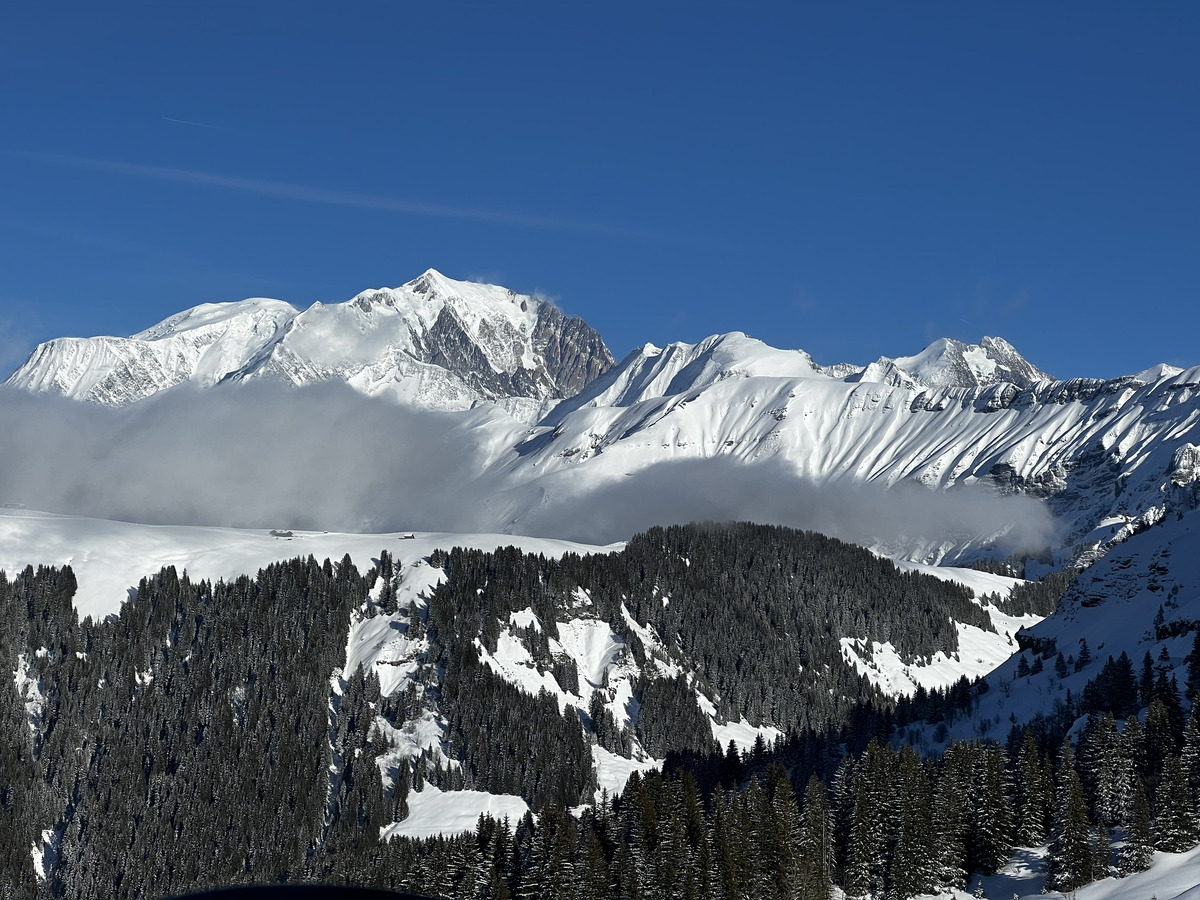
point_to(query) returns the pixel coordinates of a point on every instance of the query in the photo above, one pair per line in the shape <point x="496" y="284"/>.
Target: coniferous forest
<point x="195" y="739"/>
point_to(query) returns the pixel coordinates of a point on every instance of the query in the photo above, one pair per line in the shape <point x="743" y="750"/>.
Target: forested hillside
<point x="210" y="733"/>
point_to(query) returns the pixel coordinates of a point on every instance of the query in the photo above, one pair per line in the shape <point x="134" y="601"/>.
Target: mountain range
<point x="557" y="421"/>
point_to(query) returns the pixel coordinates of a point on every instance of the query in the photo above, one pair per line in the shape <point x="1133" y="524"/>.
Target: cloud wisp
<point x="281" y="190"/>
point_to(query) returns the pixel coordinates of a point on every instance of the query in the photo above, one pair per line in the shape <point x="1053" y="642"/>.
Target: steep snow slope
<point x="433" y="342"/>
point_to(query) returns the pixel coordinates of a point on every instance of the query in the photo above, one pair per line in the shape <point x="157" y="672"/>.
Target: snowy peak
<point x="947" y="363"/>
<point x="651" y="372"/>
<point x="202" y="345"/>
<point x="433" y="342"/>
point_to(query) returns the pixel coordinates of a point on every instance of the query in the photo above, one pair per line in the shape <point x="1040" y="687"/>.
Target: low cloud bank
<point x="902" y="518"/>
<point x="324" y="458"/>
<point x="328" y="458"/>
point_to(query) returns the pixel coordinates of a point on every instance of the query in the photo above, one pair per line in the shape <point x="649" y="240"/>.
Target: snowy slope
<point x="979" y="651"/>
<point x="1112" y="605"/>
<point x="202" y="345"/>
<point x="1171" y="876"/>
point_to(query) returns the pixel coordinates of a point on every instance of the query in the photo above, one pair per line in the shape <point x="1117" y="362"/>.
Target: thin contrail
<point x="285" y="191"/>
<point x="188" y="122"/>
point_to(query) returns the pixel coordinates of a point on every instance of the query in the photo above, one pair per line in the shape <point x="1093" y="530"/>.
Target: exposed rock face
<point x="573" y="352"/>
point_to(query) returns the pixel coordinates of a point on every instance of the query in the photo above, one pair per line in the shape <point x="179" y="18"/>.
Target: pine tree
<point x="866" y="865"/>
<point x="816" y="843"/>
<point x="1102" y="865"/>
<point x="1070" y="849"/>
<point x="1146" y="680"/>
<point x="994" y="817"/>
<point x="1175" y="826"/>
<point x="1138" y="851"/>
<point x="1034" y="795"/>
<point x="1085" y="655"/>
<point x="1191" y="756"/>
<point x="1106" y="774"/>
<point x="782" y="839"/>
<point x="1060" y="666"/>
<point x="950" y="822"/>
<point x="911" y="870"/>
<point x="1193" y="668"/>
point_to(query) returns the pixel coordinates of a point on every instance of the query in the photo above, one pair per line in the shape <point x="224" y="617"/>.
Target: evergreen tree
<point x="1175" y="824"/>
<point x="1138" y="851"/>
<point x="1102" y="865"/>
<point x="1071" y="858"/>
<point x="1146" y="680"/>
<point x="1193" y="668"/>
<point x="816" y="843"/>
<point x="1034" y="795"/>
<point x="1190" y="759"/>
<point x="912" y="871"/>
<point x="1060" y="666"/>
<point x="950" y="822"/>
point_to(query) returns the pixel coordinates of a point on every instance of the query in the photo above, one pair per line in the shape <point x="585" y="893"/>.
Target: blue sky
<point x="853" y="179"/>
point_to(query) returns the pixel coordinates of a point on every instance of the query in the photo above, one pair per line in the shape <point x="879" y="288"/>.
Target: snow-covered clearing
<point x="979" y="651"/>
<point x="432" y="812"/>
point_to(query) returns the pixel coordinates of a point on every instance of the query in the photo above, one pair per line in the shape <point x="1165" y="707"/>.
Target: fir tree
<point x="1193" y="668"/>
<point x="1175" y="825"/>
<point x="1070" y="863"/>
<point x="816" y="843"/>
<point x="1138" y="851"/>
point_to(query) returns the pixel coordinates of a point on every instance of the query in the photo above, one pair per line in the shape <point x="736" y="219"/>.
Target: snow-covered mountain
<point x="433" y="342"/>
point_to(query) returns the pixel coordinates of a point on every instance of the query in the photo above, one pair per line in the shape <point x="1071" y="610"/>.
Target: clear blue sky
<point x="854" y="179"/>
